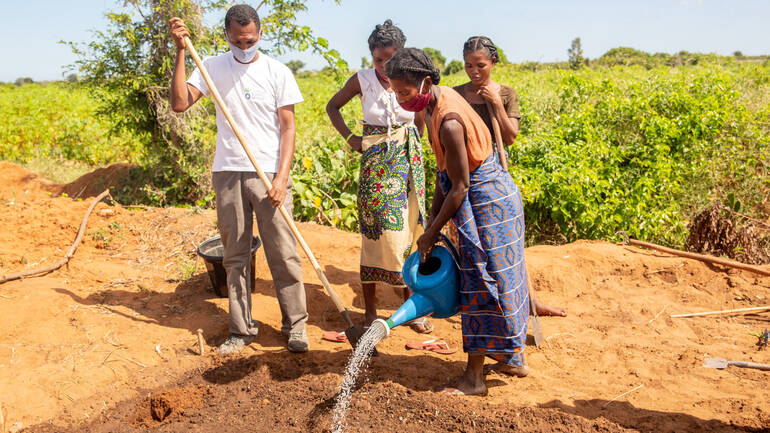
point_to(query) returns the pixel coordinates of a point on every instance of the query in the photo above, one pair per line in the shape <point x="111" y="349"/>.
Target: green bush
<point x="634" y="150"/>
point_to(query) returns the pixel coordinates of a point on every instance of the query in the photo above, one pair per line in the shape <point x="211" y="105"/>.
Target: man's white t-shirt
<point x="253" y="93"/>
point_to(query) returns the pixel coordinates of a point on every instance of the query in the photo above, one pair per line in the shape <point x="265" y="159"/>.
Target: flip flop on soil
<point x="335" y="337"/>
<point x="438" y="346"/>
<point x="521" y="371"/>
<point x="421" y="326"/>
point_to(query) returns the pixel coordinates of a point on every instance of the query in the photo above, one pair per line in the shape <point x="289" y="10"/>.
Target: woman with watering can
<point x="474" y="191"/>
<point x="391" y="190"/>
<point x="482" y="93"/>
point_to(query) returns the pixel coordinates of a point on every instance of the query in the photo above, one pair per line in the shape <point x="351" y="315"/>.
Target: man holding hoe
<point x="260" y="93"/>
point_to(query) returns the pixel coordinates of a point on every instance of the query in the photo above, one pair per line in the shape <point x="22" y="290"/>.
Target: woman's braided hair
<point x="412" y="65"/>
<point x="386" y="35"/>
<point x="483" y="43"/>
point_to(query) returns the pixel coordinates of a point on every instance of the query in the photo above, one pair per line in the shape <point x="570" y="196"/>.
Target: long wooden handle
<point x="498" y="137"/>
<point x="701" y="257"/>
<point x="747" y="310"/>
<point x="504" y="162"/>
<point x="218" y="99"/>
<point x="745" y="364"/>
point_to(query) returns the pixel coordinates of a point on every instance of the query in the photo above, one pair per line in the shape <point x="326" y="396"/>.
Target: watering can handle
<point x="451" y="246"/>
<point x="413" y="276"/>
<point x="414" y="269"/>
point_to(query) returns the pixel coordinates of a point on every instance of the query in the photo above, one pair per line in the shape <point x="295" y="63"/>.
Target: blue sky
<point x="526" y="30"/>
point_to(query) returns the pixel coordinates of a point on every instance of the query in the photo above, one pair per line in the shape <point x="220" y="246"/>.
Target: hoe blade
<point x="354" y="334"/>
<point x="716" y="363"/>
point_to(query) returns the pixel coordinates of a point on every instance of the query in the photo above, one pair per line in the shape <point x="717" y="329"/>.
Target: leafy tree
<point x="295" y="65"/>
<point x="365" y="63"/>
<point x="453" y="67"/>
<point x="502" y="59"/>
<point x="23" y="80"/>
<point x="626" y="56"/>
<point x="576" y="59"/>
<point x="738" y="54"/>
<point x="133" y="61"/>
<point x="72" y="78"/>
<point x="438" y="59"/>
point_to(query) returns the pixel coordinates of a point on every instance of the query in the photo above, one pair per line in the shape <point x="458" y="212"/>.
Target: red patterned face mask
<point x="419" y="102"/>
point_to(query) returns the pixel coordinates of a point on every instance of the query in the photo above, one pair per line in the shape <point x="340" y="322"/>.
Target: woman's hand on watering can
<point x="425" y="244"/>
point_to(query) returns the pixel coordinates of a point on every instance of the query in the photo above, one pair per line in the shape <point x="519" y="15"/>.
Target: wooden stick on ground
<point x="70" y="253"/>
<point x="537" y="330"/>
<point x="701" y="257"/>
<point x="748" y="310"/>
<point x="498" y="137"/>
<point x="621" y="395"/>
<point x="201" y="347"/>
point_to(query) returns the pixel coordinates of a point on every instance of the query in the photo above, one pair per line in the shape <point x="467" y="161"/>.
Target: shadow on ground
<point x="646" y="420"/>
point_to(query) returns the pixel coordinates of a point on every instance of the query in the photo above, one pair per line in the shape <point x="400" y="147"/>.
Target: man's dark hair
<point x="386" y="35"/>
<point x="481" y="43"/>
<point x="412" y="65"/>
<point x="243" y="15"/>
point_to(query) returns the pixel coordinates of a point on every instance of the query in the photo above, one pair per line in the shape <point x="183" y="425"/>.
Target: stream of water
<point x="356" y="365"/>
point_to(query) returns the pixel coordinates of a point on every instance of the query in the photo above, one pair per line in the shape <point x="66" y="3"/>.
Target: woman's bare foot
<point x="421" y="326"/>
<point x="545" y="310"/>
<point x="463" y="386"/>
<point x="471" y="382"/>
<point x="520" y="371"/>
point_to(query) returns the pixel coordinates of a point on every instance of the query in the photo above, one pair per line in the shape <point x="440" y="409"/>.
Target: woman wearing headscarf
<point x="473" y="191"/>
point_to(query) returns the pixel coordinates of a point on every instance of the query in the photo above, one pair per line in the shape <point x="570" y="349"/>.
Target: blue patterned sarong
<point x="494" y="296"/>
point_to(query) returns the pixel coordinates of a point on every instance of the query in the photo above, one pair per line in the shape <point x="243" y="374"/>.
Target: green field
<point x="601" y="149"/>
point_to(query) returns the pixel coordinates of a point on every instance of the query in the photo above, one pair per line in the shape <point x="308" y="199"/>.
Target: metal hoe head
<point x="716" y="363"/>
<point x="537" y="330"/>
<point x="354" y="334"/>
<point x="724" y="363"/>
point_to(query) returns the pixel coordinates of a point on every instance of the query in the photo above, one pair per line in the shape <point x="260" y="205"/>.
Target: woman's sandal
<point x="421" y="326"/>
<point x="438" y="346"/>
<point x="508" y="370"/>
<point x="334" y="336"/>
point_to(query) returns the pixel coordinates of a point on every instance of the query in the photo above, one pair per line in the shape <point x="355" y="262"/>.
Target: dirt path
<point x="79" y="347"/>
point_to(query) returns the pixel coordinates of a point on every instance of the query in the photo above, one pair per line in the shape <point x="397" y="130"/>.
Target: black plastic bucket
<point x="212" y="253"/>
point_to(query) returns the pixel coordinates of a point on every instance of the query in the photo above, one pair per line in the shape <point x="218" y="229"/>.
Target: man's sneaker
<point x="298" y="342"/>
<point x="234" y="343"/>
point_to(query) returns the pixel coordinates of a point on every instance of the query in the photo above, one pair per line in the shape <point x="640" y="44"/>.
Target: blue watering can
<point x="434" y="285"/>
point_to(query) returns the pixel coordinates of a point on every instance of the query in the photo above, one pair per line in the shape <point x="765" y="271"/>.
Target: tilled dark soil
<point x="270" y="393"/>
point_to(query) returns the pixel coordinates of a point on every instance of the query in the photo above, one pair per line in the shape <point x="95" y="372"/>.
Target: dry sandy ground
<point x="119" y="323"/>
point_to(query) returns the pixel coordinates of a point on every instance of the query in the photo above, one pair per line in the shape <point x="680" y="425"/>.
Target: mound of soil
<point x="93" y="183"/>
<point x="109" y="342"/>
<point x="17" y="181"/>
<point x="174" y="401"/>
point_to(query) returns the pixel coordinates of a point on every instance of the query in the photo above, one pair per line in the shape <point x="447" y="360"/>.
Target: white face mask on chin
<point x="241" y="55"/>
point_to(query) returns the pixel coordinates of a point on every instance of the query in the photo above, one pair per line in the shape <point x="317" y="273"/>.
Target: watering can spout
<point x="416" y="306"/>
